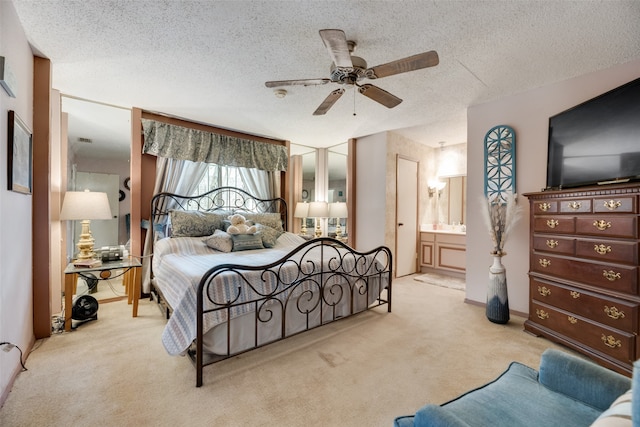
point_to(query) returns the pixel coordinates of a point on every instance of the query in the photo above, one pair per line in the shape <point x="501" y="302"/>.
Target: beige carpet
<point x="362" y="371"/>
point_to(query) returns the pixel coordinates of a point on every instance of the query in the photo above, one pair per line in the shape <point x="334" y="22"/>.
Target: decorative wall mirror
<point x="499" y="161"/>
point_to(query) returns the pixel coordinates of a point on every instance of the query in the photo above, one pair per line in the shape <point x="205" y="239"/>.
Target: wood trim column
<point x="351" y="191"/>
<point x="41" y="237"/>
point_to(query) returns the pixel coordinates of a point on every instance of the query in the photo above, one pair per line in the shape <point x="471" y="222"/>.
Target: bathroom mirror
<point x="452" y="200"/>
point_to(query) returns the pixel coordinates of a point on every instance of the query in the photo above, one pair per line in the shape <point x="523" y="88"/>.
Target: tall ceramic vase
<point x="497" y="298"/>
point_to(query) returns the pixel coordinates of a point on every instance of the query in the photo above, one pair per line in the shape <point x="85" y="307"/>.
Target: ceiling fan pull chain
<point x="354" y="101"/>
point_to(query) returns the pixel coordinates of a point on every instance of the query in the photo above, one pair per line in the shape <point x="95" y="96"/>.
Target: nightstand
<point x="105" y="272"/>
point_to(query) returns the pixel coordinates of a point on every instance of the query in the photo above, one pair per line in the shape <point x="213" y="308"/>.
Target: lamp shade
<point x="318" y="210"/>
<point x="338" y="210"/>
<point x="81" y="205"/>
<point x="302" y="210"/>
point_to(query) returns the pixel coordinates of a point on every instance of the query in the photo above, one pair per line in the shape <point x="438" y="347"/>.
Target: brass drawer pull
<point x="552" y="223"/>
<point x="572" y="320"/>
<point x="575" y="294"/>
<point x="544" y="263"/>
<point x="544" y="291"/>
<point x="611" y="275"/>
<point x="575" y="205"/>
<point x="601" y="224"/>
<point x="544" y="206"/>
<point x="612" y="204"/>
<point x="613" y="312"/>
<point x="611" y="341"/>
<point x="602" y="249"/>
<point x="552" y="243"/>
<point x="542" y="314"/>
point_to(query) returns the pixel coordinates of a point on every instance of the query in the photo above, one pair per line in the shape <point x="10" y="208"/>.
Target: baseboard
<point x="482" y="304"/>
<point x="18" y="368"/>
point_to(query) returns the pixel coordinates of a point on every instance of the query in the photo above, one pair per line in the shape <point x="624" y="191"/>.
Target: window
<point x="220" y="176"/>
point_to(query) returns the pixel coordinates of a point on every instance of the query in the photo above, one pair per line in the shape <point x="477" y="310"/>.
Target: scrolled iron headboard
<point x="228" y="199"/>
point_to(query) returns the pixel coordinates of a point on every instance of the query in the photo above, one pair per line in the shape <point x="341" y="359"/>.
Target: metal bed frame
<point x="320" y="274"/>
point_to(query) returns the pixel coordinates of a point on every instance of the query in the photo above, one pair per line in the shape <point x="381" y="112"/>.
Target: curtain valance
<point x="177" y="142"/>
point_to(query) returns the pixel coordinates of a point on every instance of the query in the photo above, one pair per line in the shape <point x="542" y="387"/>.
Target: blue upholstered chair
<point x="566" y="391"/>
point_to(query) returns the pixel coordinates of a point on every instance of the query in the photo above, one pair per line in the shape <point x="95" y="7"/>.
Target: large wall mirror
<point x="332" y="179"/>
<point x="337" y="173"/>
<point x="98" y="157"/>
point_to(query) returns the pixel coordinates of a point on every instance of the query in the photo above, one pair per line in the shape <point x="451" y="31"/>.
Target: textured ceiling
<point x="208" y="60"/>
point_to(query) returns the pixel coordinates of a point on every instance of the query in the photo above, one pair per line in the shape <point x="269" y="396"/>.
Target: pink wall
<point x="16" y="305"/>
<point x="528" y="113"/>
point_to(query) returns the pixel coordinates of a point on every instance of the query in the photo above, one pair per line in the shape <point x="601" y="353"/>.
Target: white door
<point x="406" y="216"/>
<point x="105" y="232"/>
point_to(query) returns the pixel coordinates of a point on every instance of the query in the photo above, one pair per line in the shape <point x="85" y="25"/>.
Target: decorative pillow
<point x="618" y="414"/>
<point x="272" y="220"/>
<point x="269" y="235"/>
<point x="243" y="242"/>
<point x="193" y="223"/>
<point x="220" y="241"/>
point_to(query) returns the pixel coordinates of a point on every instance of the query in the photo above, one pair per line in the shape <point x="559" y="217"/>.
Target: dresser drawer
<point x="575" y="206"/>
<point x="615" y="277"/>
<point x="627" y="204"/>
<point x="608" y="226"/>
<point x="554" y="224"/>
<point x="613" y="312"/>
<point x="554" y="244"/>
<point x="611" y="341"/>
<point x="608" y="250"/>
<point x="545" y="206"/>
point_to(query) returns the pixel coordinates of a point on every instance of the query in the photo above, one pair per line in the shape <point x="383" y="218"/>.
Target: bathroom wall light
<point x="435" y="186"/>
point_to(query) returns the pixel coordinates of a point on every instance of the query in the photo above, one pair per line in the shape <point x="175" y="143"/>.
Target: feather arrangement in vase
<point x="501" y="215"/>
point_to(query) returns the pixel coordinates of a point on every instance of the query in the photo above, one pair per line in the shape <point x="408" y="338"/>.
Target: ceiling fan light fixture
<point x="280" y="93"/>
<point x="348" y="69"/>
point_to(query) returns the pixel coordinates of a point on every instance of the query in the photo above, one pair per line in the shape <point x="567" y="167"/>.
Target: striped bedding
<point x="178" y="265"/>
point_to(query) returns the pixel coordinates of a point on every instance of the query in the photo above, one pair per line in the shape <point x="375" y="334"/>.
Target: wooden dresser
<point x="583" y="272"/>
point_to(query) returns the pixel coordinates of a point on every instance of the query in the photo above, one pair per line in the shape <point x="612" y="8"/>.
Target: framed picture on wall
<point x="20" y="158"/>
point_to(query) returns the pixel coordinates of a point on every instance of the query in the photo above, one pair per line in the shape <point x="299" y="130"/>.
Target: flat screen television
<point x="596" y="142"/>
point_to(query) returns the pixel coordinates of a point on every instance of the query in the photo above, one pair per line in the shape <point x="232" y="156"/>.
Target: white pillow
<point x="618" y="414"/>
<point x="220" y="241"/>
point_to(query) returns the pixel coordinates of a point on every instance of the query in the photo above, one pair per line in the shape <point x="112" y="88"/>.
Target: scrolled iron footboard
<point x="322" y="277"/>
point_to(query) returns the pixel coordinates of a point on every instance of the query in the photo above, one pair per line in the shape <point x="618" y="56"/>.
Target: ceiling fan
<point x="348" y="69"/>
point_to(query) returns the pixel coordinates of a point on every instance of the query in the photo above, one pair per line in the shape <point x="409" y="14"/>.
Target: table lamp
<point x="85" y="206"/>
<point x="302" y="211"/>
<point x="338" y="210"/>
<point x="318" y="210"/>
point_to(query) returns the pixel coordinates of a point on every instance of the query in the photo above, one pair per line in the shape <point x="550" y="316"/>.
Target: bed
<point x="225" y="295"/>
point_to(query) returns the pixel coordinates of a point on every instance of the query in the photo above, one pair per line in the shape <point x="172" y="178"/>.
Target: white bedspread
<point x="178" y="265"/>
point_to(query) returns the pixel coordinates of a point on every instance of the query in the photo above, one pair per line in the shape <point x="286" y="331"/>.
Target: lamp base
<point x="318" y="232"/>
<point x="86" y="242"/>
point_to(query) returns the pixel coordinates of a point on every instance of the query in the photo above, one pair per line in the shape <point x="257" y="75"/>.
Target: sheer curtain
<point x="173" y="176"/>
<point x="262" y="184"/>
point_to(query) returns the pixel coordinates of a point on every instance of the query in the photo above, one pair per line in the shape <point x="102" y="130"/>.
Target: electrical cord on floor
<point x="10" y="345"/>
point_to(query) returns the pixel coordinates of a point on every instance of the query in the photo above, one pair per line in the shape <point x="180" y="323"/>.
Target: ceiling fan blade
<point x="379" y="95"/>
<point x="336" y="43"/>
<point x="304" y="82"/>
<point x="411" y="63"/>
<point x="328" y="102"/>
